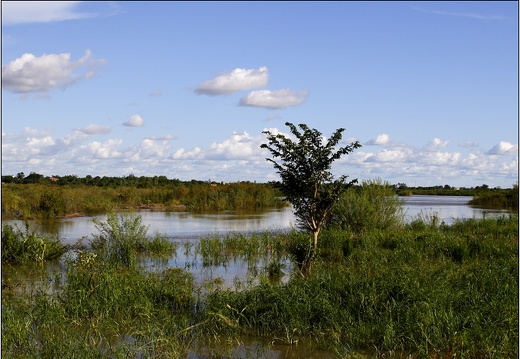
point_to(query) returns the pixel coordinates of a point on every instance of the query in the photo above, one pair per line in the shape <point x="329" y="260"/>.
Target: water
<point x="191" y="226"/>
<point x="446" y="208"/>
<point x="187" y="228"/>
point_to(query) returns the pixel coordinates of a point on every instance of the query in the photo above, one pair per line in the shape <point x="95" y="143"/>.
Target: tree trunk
<point x="306" y="266"/>
<point x="316" y="232"/>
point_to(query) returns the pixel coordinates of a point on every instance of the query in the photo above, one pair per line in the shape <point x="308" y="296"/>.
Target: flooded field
<point x="215" y="269"/>
<point x="191" y="226"/>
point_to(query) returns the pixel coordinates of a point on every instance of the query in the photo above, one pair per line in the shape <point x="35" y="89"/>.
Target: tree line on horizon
<point x="152" y="181"/>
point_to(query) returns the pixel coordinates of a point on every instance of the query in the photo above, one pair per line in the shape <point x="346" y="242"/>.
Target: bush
<point x="120" y="238"/>
<point x="373" y="205"/>
<point x="28" y="247"/>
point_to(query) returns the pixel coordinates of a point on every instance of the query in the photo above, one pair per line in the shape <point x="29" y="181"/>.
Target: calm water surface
<point x="191" y="226"/>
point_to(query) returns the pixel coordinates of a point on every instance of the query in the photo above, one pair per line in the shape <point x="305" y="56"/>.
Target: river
<point x="188" y="225"/>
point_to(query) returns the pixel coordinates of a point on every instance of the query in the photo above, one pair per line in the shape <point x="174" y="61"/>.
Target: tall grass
<point x="427" y="290"/>
<point x="28" y="247"/>
<point x="374" y="204"/>
<point x="430" y="291"/>
<point x="105" y="306"/>
<point x="49" y="200"/>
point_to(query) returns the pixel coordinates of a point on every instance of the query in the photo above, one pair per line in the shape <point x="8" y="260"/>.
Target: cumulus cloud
<point x="30" y="73"/>
<point x="104" y="150"/>
<point x="19" y="12"/>
<point x="503" y="148"/>
<point x="380" y="140"/>
<point x="239" y="157"/>
<point x="94" y="130"/>
<point x="273" y="99"/>
<point x="134" y="121"/>
<point x="237" y="80"/>
<point x="436" y="144"/>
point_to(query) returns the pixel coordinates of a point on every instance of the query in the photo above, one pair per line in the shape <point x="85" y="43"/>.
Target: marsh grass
<point x="28" y="247"/>
<point x="425" y="290"/>
<point x="431" y="290"/>
<point x="50" y="200"/>
<point x="122" y="238"/>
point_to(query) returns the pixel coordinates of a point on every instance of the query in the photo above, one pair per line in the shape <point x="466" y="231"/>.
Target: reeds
<point x="434" y="291"/>
<point x="428" y="290"/>
<point x="49" y="200"/>
<point x="29" y="247"/>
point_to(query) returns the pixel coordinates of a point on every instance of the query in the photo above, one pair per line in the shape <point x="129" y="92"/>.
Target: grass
<point x="28" y="247"/>
<point x="424" y="289"/>
<point x="50" y="200"/>
<point x="437" y="290"/>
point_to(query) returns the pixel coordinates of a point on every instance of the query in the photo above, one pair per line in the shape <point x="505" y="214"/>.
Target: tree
<point x="307" y="182"/>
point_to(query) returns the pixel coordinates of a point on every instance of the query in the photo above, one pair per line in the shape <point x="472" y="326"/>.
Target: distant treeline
<point x="97" y="181"/>
<point x="446" y="190"/>
<point x="53" y="197"/>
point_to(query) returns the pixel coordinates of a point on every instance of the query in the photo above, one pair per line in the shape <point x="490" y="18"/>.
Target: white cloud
<point x="94" y="130"/>
<point x="238" y="146"/>
<point x="30" y="73"/>
<point x="237" y="80"/>
<point x="156" y="93"/>
<point x="436" y="144"/>
<point x="273" y="99"/>
<point x="239" y="157"/>
<point x="19" y="12"/>
<point x="104" y="150"/>
<point x="503" y="148"/>
<point x="181" y="153"/>
<point x="134" y="121"/>
<point x="153" y="148"/>
<point x="398" y="154"/>
<point x="380" y="140"/>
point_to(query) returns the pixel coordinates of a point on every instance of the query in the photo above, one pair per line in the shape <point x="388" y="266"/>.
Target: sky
<point x="186" y="89"/>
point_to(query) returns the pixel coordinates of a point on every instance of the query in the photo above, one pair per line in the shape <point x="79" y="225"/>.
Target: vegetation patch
<point x="378" y="286"/>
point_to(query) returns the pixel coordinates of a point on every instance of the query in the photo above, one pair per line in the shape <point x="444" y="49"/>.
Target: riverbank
<point x="50" y="200"/>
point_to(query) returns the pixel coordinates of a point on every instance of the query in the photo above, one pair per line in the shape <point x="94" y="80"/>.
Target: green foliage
<point x="101" y="312"/>
<point x="373" y="205"/>
<point x="49" y="200"/>
<point x="307" y="181"/>
<point x="497" y="199"/>
<point x="120" y="238"/>
<point x="417" y="290"/>
<point x="28" y="247"/>
<point x="304" y="168"/>
<point x="432" y="291"/>
<point x="51" y="204"/>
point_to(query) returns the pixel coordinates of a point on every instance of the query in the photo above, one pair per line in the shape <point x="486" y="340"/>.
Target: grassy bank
<point x="423" y="289"/>
<point x="50" y="200"/>
<point x="505" y="199"/>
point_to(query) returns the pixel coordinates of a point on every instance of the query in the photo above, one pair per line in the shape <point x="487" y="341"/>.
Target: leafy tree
<point x="307" y="181"/>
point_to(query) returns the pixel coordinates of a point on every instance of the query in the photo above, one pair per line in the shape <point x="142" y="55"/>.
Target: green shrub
<point x="373" y="205"/>
<point x="26" y="247"/>
<point x="120" y="238"/>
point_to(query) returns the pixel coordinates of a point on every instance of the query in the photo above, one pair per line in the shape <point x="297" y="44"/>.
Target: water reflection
<point x="446" y="208"/>
<point x="187" y="225"/>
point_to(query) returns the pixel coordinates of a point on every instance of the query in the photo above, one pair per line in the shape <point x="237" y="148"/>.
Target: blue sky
<point x="185" y="89"/>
